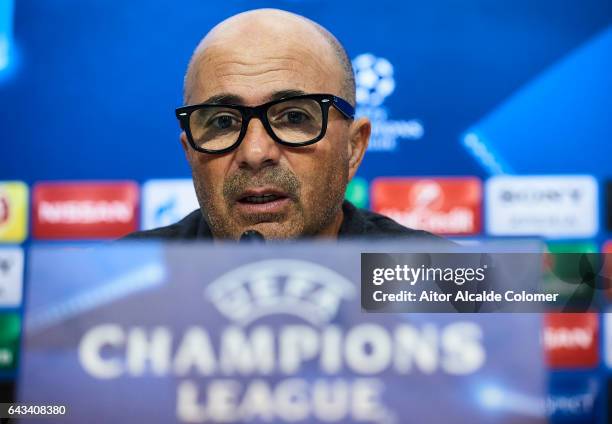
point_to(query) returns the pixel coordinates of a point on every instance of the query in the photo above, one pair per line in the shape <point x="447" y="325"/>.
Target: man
<point x="270" y="134"/>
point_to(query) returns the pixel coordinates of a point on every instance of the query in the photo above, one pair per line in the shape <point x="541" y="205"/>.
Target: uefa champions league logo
<point x="375" y="82"/>
<point x="374" y="79"/>
<point x="303" y="289"/>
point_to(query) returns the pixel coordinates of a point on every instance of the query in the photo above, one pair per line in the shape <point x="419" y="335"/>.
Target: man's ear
<point x="359" y="137"/>
<point x="185" y="144"/>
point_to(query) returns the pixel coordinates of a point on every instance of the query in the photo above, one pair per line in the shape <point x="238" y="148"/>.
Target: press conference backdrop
<point x="490" y="119"/>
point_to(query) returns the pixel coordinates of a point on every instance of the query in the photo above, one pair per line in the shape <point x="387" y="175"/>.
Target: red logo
<point x="95" y="210"/>
<point x="571" y="340"/>
<point x="5" y="209"/>
<point x="448" y="206"/>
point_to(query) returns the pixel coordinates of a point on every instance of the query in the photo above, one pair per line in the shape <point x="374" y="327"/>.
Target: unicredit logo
<point x="427" y="194"/>
<point x="444" y="206"/>
<point x="428" y="198"/>
<point x="84" y="210"/>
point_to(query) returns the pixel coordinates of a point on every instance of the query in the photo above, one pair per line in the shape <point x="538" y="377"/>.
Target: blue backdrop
<point x="91" y="86"/>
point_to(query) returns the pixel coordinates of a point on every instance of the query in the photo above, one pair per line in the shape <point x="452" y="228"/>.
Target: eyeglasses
<point x="293" y="121"/>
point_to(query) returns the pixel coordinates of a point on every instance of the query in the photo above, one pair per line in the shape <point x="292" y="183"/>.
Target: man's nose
<point x="257" y="150"/>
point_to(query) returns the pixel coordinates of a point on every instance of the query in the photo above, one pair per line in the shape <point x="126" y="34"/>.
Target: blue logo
<point x="375" y="82"/>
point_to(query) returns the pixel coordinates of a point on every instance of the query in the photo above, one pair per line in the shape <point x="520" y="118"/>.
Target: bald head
<point x="261" y="182"/>
<point x="270" y="29"/>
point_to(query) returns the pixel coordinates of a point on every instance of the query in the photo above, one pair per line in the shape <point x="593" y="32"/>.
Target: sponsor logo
<point x="572" y="398"/>
<point x="357" y="192"/>
<point x="562" y="273"/>
<point x="13" y="211"/>
<point x="10" y="328"/>
<point x="84" y="210"/>
<point x="607" y="325"/>
<point x="11" y="276"/>
<point x="375" y="82"/>
<point x="448" y="206"/>
<point x="571" y="340"/>
<point x="551" y="206"/>
<point x="165" y="202"/>
<point x="5" y="210"/>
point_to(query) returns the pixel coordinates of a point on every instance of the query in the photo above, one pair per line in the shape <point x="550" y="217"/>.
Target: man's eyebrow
<point x="277" y="95"/>
<point x="224" y="99"/>
<point x="233" y="99"/>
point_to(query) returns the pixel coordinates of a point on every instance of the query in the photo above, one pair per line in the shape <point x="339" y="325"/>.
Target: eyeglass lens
<point x="292" y="121"/>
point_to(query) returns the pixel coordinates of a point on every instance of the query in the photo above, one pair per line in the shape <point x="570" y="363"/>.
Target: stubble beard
<point x="302" y="221"/>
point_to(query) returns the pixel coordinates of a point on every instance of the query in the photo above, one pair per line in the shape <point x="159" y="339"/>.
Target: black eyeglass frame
<point x="183" y="114"/>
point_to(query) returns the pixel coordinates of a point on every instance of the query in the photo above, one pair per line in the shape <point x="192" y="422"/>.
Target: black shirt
<point x="357" y="223"/>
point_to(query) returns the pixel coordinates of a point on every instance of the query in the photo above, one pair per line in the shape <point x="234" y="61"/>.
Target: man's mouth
<point x="263" y="198"/>
<point x="263" y="201"/>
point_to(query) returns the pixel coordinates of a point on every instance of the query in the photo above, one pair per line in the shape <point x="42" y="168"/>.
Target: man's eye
<point x="223" y="122"/>
<point x="295" y="117"/>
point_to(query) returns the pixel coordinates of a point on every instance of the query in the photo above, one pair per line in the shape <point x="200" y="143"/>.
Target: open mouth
<point x="259" y="199"/>
<point x="263" y="200"/>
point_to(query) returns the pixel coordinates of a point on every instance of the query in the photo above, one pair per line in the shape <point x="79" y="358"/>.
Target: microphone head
<point x="251" y="236"/>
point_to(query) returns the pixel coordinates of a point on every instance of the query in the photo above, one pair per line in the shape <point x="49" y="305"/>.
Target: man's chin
<point x="273" y="230"/>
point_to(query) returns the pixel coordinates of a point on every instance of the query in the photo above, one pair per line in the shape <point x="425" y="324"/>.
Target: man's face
<point x="307" y="183"/>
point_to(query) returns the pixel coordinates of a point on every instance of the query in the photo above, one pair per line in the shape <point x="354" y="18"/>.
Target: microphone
<point x="250" y="236"/>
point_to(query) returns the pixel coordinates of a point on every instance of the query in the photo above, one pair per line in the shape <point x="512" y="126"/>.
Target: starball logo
<point x="374" y="79"/>
<point x="305" y="290"/>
